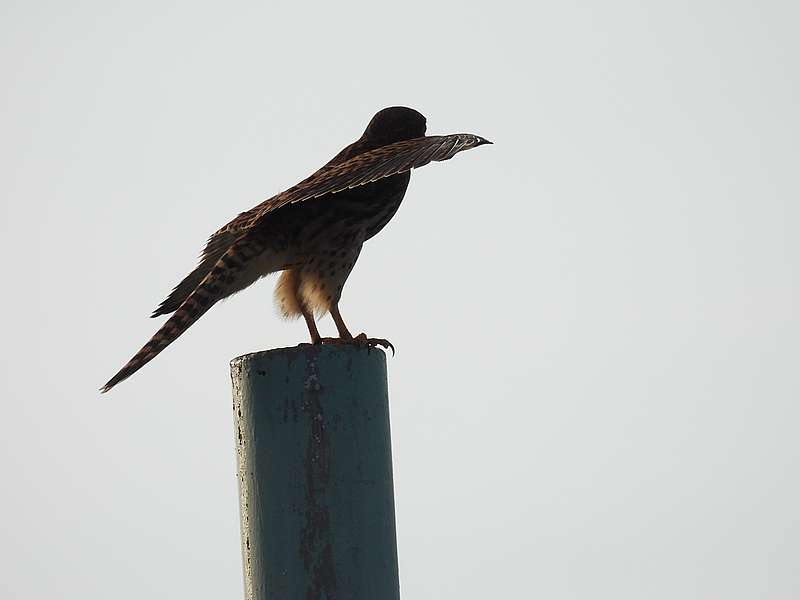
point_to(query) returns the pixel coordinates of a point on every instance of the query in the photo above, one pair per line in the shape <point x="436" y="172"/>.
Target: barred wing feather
<point x="365" y="168"/>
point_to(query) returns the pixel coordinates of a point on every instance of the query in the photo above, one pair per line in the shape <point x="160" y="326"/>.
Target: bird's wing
<point x="335" y="177"/>
<point x="365" y="168"/>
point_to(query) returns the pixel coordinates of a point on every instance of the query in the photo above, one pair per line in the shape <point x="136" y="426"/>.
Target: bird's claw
<point x="360" y="340"/>
<point x="363" y="340"/>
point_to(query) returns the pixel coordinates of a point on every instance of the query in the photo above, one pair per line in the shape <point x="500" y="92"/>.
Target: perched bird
<point x="312" y="233"/>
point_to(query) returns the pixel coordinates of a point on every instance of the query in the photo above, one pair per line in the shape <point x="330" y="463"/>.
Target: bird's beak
<point x="482" y="141"/>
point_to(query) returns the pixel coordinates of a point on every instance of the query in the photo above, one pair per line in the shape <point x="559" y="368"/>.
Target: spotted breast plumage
<point x="312" y="233"/>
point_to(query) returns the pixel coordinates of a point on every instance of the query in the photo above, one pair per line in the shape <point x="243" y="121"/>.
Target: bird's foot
<point x="369" y="342"/>
<point x="360" y="340"/>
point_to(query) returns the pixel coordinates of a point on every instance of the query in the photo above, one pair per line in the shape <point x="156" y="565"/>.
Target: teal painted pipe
<point x="315" y="474"/>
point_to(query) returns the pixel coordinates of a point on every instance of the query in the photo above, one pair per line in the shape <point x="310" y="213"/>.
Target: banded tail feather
<point x="216" y="285"/>
<point x="185" y="288"/>
<point x="216" y="246"/>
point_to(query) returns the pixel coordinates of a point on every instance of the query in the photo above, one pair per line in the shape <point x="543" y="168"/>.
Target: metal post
<point x="315" y="474"/>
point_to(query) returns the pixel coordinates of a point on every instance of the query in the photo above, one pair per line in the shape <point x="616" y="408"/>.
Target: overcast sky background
<point x="595" y="393"/>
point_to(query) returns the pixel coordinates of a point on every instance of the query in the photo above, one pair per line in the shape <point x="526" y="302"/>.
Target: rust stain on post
<point x="315" y="545"/>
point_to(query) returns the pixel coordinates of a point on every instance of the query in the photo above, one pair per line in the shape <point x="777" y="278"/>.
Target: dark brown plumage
<point x="313" y="232"/>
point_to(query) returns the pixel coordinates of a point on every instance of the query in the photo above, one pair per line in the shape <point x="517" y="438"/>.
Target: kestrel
<point x="312" y="233"/>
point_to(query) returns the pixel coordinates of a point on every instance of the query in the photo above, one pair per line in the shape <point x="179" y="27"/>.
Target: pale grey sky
<point x="596" y="388"/>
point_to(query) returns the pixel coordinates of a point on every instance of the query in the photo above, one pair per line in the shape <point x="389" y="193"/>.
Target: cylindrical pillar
<point x="315" y="474"/>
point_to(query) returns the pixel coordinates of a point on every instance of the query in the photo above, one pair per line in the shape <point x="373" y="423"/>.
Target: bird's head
<point x="395" y="124"/>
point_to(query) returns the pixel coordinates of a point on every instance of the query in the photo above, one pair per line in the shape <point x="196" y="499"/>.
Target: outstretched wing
<point x="336" y="176"/>
<point x="365" y="168"/>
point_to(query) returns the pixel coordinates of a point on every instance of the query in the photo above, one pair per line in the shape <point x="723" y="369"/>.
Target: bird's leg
<point x="312" y="326"/>
<point x="344" y="333"/>
<point x="345" y="337"/>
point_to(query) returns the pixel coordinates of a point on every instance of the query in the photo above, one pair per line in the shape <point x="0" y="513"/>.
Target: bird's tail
<point x="214" y="287"/>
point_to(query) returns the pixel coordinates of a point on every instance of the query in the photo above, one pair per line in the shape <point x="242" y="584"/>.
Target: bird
<point x="311" y="233"/>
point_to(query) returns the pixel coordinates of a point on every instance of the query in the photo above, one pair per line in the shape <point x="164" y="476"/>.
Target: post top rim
<point x="309" y="351"/>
